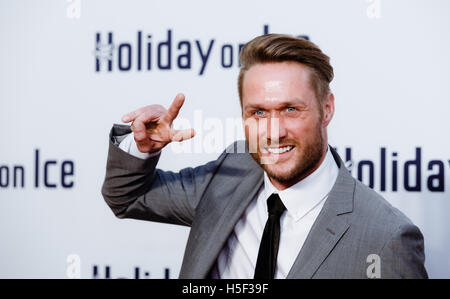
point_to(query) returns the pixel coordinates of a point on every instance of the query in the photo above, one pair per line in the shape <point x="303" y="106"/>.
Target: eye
<point x="290" y="109"/>
<point x="259" y="112"/>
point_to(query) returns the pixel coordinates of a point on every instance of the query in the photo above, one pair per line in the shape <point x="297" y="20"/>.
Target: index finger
<point x="174" y="108"/>
<point x="151" y="112"/>
<point x="131" y="116"/>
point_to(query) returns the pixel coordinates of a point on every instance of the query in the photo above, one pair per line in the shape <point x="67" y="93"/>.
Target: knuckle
<point x="136" y="125"/>
<point x="139" y="137"/>
<point x="143" y="147"/>
<point x="155" y="112"/>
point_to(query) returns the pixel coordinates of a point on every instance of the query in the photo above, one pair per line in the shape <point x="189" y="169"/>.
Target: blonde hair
<point x="281" y="47"/>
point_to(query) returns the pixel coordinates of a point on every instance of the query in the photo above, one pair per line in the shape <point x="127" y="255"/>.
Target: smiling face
<point x="284" y="120"/>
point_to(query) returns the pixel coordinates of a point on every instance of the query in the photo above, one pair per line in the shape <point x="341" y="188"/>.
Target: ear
<point x="328" y="110"/>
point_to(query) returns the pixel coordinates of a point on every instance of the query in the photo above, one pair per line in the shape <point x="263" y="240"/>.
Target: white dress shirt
<point x="129" y="145"/>
<point x="303" y="202"/>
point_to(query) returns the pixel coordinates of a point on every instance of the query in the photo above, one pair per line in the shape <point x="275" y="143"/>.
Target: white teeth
<point x="279" y="150"/>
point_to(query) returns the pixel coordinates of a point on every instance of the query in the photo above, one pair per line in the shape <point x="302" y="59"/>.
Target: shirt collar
<point x="303" y="196"/>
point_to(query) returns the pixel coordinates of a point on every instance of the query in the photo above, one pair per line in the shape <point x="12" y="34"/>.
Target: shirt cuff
<point x="128" y="145"/>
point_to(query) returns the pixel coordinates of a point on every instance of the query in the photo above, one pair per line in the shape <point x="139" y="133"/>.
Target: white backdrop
<point x="391" y="66"/>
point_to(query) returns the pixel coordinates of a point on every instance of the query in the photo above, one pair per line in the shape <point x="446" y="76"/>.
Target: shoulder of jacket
<point x="376" y="209"/>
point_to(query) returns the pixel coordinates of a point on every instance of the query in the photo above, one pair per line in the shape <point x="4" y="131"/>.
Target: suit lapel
<point x="326" y="232"/>
<point x="329" y="226"/>
<point x="216" y="236"/>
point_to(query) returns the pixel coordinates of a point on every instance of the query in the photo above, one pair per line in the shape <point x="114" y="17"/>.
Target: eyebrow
<point x="288" y="103"/>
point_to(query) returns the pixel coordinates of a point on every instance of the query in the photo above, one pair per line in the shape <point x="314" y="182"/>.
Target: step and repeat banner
<point x="71" y="68"/>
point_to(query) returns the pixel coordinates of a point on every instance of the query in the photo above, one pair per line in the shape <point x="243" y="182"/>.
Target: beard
<point x="306" y="159"/>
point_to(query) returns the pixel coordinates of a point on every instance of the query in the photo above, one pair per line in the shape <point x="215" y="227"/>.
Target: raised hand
<point x="152" y="126"/>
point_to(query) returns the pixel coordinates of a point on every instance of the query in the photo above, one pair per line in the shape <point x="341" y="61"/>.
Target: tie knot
<point x="274" y="205"/>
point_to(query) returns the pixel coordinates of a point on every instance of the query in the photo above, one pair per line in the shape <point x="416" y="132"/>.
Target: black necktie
<point x="268" y="249"/>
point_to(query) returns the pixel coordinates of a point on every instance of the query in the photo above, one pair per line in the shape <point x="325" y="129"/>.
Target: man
<point x="286" y="207"/>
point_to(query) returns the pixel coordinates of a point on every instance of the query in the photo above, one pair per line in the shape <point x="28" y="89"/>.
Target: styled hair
<point x="271" y="48"/>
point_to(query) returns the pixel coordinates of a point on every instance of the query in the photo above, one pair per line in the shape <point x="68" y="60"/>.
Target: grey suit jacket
<point x="354" y="223"/>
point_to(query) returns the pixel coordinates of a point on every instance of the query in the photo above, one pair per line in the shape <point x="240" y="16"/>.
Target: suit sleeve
<point x="135" y="188"/>
<point x="403" y="255"/>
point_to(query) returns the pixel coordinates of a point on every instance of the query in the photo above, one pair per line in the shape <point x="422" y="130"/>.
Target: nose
<point x="276" y="129"/>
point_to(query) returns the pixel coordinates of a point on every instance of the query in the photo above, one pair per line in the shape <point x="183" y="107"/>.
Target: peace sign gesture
<point x="152" y="126"/>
